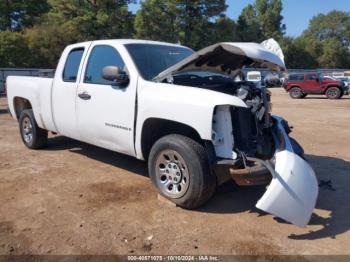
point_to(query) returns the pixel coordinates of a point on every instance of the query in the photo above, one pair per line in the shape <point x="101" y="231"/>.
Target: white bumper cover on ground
<point x="293" y="191"/>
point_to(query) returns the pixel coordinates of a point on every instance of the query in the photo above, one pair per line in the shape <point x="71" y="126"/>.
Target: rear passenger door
<point x="312" y="83"/>
<point x="64" y="90"/>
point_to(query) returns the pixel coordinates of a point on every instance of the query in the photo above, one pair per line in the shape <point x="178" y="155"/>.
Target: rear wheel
<point x="295" y="93"/>
<point x="32" y="135"/>
<point x="179" y="169"/>
<point x="333" y="93"/>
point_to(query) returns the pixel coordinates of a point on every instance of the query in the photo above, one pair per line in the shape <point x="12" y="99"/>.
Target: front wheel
<point x="32" y="135"/>
<point x="179" y="169"/>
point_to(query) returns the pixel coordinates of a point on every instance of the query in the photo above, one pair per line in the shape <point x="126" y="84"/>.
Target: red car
<point x="299" y="85"/>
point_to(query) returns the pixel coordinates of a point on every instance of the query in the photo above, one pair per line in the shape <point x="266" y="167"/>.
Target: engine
<point x="251" y="126"/>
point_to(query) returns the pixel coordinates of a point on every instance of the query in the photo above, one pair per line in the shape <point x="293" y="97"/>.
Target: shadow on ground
<point x="334" y="196"/>
<point x="4" y="111"/>
<point x="346" y="97"/>
<point x="106" y="156"/>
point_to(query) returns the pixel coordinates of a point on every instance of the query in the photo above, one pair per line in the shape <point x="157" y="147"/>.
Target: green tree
<point x="224" y="30"/>
<point x="13" y="50"/>
<point x="157" y="20"/>
<point x="71" y="21"/>
<point x="46" y="43"/>
<point x="327" y="39"/>
<point x="334" y="25"/>
<point x="95" y="19"/>
<point x="295" y="55"/>
<point x="189" y="22"/>
<point x="248" y="25"/>
<point x="261" y="21"/>
<point x="269" y="14"/>
<point x="17" y="14"/>
<point x="195" y="20"/>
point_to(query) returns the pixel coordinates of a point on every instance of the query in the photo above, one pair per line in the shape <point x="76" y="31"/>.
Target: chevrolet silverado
<point x="191" y="115"/>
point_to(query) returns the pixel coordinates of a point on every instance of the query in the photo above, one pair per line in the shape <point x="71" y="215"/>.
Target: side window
<point x="296" y="77"/>
<point x="292" y="77"/>
<point x="71" y="67"/>
<point x="100" y="57"/>
<point x="311" y="77"/>
<point x="300" y="78"/>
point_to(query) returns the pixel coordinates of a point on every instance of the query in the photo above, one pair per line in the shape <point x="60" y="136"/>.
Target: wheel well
<point x="294" y="87"/>
<point x="155" y="128"/>
<point x="21" y="104"/>
<point x="328" y="87"/>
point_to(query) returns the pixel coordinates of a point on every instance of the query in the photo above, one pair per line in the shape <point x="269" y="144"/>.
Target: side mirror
<point x="115" y="74"/>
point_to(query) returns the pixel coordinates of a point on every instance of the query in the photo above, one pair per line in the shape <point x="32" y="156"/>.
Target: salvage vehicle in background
<point x="299" y="85"/>
<point x="254" y="76"/>
<point x="180" y="110"/>
<point x="346" y="83"/>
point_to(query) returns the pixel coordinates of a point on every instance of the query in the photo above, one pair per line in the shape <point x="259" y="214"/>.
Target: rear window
<point x="296" y="77"/>
<point x="71" y="67"/>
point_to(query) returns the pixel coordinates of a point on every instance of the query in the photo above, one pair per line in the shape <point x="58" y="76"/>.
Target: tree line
<point x="34" y="33"/>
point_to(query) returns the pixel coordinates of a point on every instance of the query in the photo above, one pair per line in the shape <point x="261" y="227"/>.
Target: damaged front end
<point x="264" y="153"/>
<point x="251" y="146"/>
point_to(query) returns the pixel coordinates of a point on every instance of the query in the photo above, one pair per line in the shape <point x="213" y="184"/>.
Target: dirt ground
<point x="73" y="198"/>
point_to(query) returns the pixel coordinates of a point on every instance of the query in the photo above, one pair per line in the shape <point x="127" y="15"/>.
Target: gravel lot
<point x="73" y="198"/>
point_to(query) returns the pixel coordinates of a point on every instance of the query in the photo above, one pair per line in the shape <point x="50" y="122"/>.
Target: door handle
<point x="84" y="96"/>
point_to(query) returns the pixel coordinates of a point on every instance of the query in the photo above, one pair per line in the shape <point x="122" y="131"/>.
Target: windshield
<point x="327" y="78"/>
<point x="151" y="59"/>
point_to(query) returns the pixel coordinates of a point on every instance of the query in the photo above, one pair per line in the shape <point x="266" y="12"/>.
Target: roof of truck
<point x="134" y="41"/>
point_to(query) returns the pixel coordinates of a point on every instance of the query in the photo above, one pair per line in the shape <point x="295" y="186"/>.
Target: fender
<point x="289" y="88"/>
<point x="188" y="105"/>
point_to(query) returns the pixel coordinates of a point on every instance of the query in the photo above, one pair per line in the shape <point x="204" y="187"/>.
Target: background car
<point x="300" y="85"/>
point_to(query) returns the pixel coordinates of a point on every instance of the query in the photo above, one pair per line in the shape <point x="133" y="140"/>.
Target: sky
<point x="296" y="13"/>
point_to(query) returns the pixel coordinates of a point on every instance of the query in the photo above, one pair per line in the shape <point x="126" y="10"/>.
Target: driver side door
<point x="105" y="110"/>
<point x="312" y="83"/>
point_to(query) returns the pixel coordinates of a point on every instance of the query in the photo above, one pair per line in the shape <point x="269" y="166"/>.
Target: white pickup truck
<point x="184" y="112"/>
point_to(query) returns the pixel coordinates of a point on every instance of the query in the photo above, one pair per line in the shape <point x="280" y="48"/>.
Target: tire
<point x="32" y="136"/>
<point x="178" y="167"/>
<point x="333" y="92"/>
<point x="304" y="95"/>
<point x="295" y="93"/>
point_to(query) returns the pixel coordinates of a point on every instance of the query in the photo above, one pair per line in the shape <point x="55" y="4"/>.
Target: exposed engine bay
<point x="251" y="127"/>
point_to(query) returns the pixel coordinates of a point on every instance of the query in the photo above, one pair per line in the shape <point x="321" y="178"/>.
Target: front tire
<point x="333" y="93"/>
<point x="32" y="135"/>
<point x="179" y="168"/>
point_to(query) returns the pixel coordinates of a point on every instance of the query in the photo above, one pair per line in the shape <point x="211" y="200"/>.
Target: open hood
<point x="227" y="57"/>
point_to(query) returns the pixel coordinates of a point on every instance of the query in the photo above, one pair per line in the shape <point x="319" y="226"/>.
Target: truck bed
<point x="38" y="91"/>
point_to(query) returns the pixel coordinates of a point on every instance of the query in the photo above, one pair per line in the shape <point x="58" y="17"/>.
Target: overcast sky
<point x="296" y="13"/>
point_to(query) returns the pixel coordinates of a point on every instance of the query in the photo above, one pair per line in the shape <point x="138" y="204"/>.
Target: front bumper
<point x="293" y="190"/>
